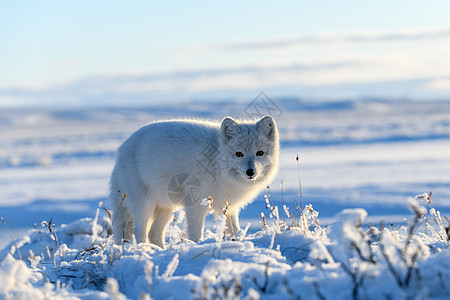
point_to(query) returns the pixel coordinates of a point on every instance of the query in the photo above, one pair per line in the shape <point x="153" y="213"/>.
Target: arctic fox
<point x="167" y="165"/>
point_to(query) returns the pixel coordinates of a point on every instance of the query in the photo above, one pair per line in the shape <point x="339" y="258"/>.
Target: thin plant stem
<point x="10" y="235"/>
<point x="282" y="200"/>
<point x="299" y="181"/>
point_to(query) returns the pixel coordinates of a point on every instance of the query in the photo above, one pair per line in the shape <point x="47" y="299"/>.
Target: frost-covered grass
<point x="292" y="257"/>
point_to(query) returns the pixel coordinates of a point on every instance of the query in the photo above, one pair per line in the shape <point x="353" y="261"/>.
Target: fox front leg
<point x="195" y="216"/>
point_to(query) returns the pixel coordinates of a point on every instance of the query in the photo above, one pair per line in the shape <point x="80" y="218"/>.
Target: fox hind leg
<point x="123" y="226"/>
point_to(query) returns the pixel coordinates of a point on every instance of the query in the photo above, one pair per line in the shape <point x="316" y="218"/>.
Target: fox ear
<point x="228" y="128"/>
<point x="267" y="126"/>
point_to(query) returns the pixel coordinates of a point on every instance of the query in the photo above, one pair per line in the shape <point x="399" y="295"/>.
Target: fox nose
<point x="250" y="172"/>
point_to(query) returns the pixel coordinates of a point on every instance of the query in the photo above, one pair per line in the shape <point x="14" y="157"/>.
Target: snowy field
<point x="375" y="155"/>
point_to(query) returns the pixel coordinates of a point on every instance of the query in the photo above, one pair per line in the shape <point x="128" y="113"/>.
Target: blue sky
<point x="179" y="49"/>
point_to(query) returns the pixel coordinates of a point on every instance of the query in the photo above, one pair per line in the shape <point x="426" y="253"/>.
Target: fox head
<point x="249" y="149"/>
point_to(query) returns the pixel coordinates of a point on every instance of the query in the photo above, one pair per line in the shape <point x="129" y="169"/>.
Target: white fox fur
<point x="166" y="165"/>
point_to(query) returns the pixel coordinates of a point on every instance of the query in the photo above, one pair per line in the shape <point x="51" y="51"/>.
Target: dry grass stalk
<point x="112" y="223"/>
<point x="49" y="227"/>
<point x="10" y="235"/>
<point x="118" y="209"/>
<point x="282" y="200"/>
<point x="264" y="221"/>
<point x="299" y="183"/>
<point x="269" y="196"/>
<point x="260" y="223"/>
<point x="225" y="212"/>
<point x="57" y="241"/>
<point x="109" y="213"/>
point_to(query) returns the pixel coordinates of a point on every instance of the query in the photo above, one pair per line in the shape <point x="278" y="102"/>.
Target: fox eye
<point x="239" y="154"/>
<point x="260" y="153"/>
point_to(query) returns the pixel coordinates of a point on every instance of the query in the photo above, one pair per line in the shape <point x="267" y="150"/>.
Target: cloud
<point x="436" y="85"/>
<point x="173" y="86"/>
<point x="407" y="35"/>
<point x="350" y="77"/>
<point x="188" y="81"/>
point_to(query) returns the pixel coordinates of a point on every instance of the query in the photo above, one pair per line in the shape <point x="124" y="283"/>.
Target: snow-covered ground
<point x="55" y="164"/>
